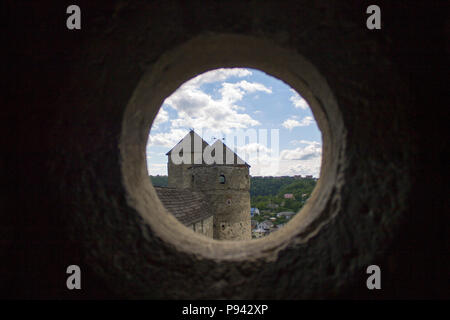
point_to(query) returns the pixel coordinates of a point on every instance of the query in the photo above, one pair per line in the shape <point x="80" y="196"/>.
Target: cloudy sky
<point x="223" y="102"/>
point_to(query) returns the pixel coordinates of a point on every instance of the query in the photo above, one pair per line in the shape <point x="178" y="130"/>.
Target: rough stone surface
<point x="204" y="227"/>
<point x="229" y="202"/>
<point x="179" y="174"/>
<point x="382" y="201"/>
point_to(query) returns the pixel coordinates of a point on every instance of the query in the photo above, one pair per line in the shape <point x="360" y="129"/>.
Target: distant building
<point x="288" y="196"/>
<point x="259" y="232"/>
<point x="266" y="225"/>
<point x="254" y="211"/>
<point x="286" y="214"/>
<point x="272" y="205"/>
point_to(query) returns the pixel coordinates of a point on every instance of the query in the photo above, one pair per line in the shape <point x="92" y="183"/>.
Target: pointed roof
<point x="194" y="137"/>
<point x="228" y="154"/>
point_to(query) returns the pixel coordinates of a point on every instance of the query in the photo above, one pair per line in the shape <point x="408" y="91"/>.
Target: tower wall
<point x="229" y="201"/>
<point x="189" y="152"/>
<point x="179" y="176"/>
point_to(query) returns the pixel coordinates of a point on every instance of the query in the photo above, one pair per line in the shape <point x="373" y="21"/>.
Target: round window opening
<point x="152" y="110"/>
<point x="234" y="133"/>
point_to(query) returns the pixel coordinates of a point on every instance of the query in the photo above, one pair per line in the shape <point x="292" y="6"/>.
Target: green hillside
<point x="159" y="181"/>
<point x="267" y="193"/>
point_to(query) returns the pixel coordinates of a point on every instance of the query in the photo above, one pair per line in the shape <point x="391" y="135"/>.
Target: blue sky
<point x="223" y="102"/>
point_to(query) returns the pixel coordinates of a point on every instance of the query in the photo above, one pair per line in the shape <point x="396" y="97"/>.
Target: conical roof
<point x="195" y="138"/>
<point x="229" y="156"/>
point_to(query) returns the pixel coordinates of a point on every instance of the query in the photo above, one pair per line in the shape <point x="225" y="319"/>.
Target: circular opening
<point x="257" y="119"/>
<point x="198" y="56"/>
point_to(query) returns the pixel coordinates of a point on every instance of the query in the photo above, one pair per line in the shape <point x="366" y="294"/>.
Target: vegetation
<point x="266" y="186"/>
<point x="159" y="181"/>
<point x="267" y="194"/>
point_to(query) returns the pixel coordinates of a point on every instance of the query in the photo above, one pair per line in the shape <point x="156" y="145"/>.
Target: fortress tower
<point x="223" y="179"/>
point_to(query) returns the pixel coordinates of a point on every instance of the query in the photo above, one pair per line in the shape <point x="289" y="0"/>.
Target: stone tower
<point x="190" y="148"/>
<point x="224" y="179"/>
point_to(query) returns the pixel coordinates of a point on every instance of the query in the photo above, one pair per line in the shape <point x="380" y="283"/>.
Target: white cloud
<point x="161" y="117"/>
<point x="311" y="150"/>
<point x="307" y="167"/>
<point x="292" y="123"/>
<point x="252" y="86"/>
<point x="304" y="160"/>
<point x="253" y="152"/>
<point x="166" y="139"/>
<point x="253" y="148"/>
<point x="296" y="142"/>
<point x="150" y="153"/>
<point x="267" y="166"/>
<point x="298" y="101"/>
<point x="197" y="109"/>
<point x="157" y="168"/>
<point x="300" y="161"/>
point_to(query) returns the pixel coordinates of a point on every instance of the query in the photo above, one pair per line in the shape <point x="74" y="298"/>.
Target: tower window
<point x="222" y="179"/>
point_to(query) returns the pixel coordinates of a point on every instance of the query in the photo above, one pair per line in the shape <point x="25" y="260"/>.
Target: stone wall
<point x="231" y="214"/>
<point x="204" y="227"/>
<point x="229" y="202"/>
<point x="179" y="176"/>
<point x="208" y="177"/>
